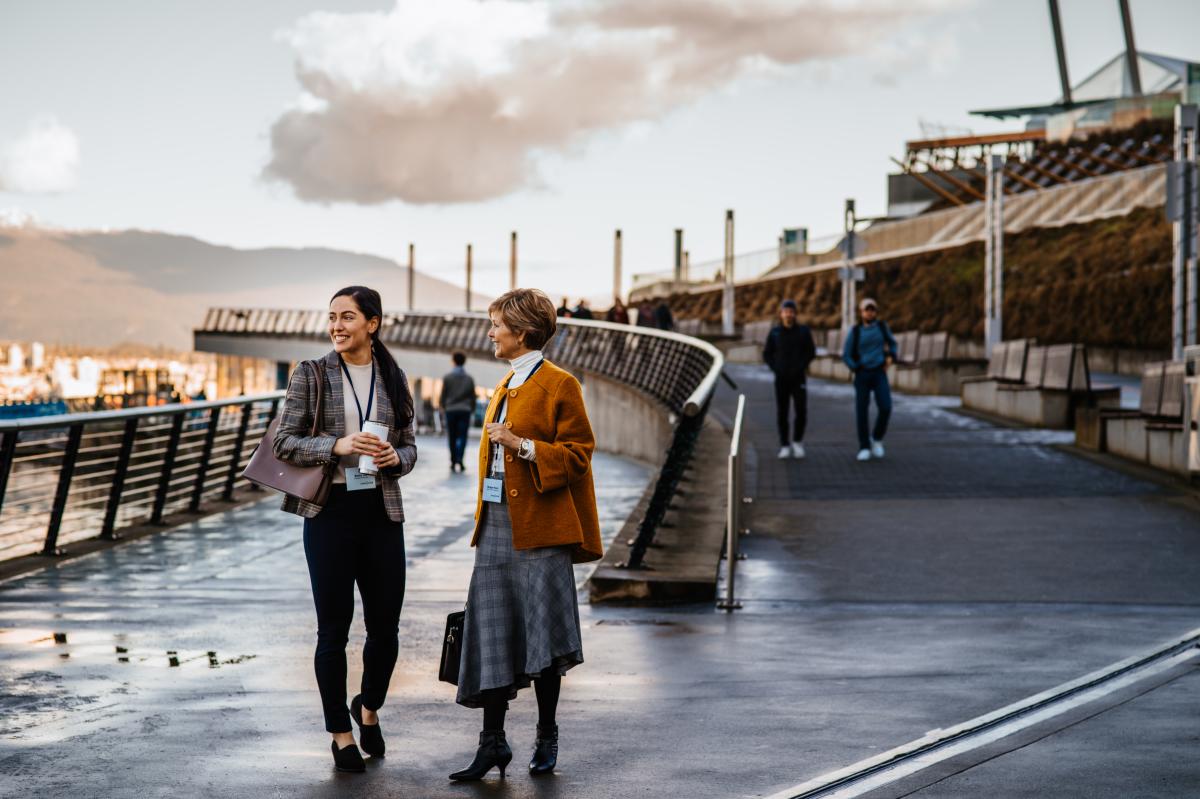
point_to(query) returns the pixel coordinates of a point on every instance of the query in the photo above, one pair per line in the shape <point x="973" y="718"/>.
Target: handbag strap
<point x="320" y="396"/>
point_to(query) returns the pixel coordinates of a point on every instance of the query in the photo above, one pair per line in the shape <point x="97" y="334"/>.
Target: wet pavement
<point x="973" y="567"/>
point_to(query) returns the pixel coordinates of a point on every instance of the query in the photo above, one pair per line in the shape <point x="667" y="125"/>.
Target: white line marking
<point x="917" y="762"/>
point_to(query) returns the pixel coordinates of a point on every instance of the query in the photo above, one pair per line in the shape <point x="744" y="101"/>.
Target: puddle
<point x="91" y="647"/>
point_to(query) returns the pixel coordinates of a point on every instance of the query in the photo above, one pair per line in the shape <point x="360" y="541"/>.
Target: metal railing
<point x="76" y="476"/>
<point x="677" y="371"/>
<point x="734" y="499"/>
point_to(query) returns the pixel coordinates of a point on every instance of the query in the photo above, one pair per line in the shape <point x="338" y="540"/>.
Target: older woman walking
<point x="535" y="517"/>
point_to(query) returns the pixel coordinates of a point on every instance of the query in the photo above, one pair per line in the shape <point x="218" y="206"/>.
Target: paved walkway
<point x="974" y="566"/>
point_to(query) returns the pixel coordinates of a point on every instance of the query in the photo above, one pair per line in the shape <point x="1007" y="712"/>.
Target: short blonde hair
<point x="527" y="312"/>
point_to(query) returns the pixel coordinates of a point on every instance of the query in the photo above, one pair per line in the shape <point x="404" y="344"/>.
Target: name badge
<point x="493" y="489"/>
<point x="357" y="481"/>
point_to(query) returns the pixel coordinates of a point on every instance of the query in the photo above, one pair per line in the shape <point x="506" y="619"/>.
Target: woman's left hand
<point x="387" y="457"/>
<point x="502" y="435"/>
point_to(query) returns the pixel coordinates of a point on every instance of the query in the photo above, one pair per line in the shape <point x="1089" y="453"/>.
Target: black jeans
<point x="791" y="390"/>
<point x="350" y="541"/>
<point x="458" y="423"/>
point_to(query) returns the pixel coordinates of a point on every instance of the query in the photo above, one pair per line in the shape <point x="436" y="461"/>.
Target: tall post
<point x="727" y="310"/>
<point x="849" y="288"/>
<point x="468" y="278"/>
<point x="617" y="265"/>
<point x="678" y="255"/>
<point x="1131" y="62"/>
<point x="412" y="275"/>
<point x="1056" y="25"/>
<point x="512" y="262"/>
<point x="1183" y="229"/>
<point x="1192" y="230"/>
<point x="687" y="266"/>
<point x="993" y="265"/>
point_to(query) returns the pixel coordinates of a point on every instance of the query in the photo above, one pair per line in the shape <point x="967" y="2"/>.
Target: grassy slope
<point x="1102" y="283"/>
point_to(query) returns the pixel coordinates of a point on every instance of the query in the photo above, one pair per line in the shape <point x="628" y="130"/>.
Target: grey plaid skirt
<point x="522" y="613"/>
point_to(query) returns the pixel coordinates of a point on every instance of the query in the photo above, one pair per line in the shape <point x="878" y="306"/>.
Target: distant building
<point x="16" y="358"/>
<point x="37" y="356"/>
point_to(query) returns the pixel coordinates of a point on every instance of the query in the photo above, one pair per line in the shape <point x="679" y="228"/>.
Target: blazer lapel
<point x="335" y="408"/>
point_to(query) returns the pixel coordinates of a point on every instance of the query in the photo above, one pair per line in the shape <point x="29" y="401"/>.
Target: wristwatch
<point x="526" y="450"/>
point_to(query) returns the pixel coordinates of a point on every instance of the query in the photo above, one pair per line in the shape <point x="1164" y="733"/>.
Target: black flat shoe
<point x="493" y="751"/>
<point x="369" y="735"/>
<point x="348" y="758"/>
<point x="545" y="753"/>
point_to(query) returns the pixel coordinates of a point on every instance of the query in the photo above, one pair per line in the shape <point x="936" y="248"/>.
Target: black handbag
<point x="452" y="648"/>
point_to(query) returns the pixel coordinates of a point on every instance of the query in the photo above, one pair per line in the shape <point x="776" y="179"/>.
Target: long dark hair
<point x="369" y="302"/>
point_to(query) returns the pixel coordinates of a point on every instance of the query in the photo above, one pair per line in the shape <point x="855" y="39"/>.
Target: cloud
<point x="454" y="101"/>
<point x="43" y="161"/>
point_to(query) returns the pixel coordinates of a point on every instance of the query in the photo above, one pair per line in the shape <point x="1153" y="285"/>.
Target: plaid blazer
<point x="294" y="445"/>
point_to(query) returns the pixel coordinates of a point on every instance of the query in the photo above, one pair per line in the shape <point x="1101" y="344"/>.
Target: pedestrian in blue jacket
<point x="869" y="350"/>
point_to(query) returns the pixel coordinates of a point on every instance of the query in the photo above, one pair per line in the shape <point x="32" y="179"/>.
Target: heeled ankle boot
<point x="348" y="758"/>
<point x="545" y="753"/>
<point x="493" y="751"/>
<point x="370" y="736"/>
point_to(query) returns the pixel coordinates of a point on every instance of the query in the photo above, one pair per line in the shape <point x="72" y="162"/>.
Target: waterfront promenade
<point x="971" y="568"/>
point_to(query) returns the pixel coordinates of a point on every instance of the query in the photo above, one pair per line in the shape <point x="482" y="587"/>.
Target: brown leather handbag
<point x="309" y="483"/>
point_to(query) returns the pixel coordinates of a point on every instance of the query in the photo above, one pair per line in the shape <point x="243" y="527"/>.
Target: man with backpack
<point x="868" y="351"/>
<point x="788" y="351"/>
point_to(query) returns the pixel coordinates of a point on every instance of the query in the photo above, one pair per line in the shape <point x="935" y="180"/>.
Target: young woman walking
<point x="535" y="516"/>
<point x="358" y="535"/>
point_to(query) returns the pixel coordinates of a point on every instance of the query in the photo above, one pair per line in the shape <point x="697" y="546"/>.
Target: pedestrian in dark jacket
<point x="617" y="313"/>
<point x="788" y="351"/>
<point x="582" y="311"/>
<point x="868" y="351"/>
<point x="458" y="404"/>
<point x="645" y="315"/>
<point x="663" y="319"/>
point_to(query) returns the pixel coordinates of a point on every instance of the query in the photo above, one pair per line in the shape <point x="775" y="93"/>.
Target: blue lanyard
<point x="354" y="393"/>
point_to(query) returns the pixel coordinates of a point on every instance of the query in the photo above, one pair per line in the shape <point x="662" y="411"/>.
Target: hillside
<point x="99" y="289"/>
<point x="1104" y="283"/>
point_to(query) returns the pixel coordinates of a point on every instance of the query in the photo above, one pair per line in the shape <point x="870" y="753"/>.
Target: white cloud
<point x="453" y="101"/>
<point x="43" y="161"/>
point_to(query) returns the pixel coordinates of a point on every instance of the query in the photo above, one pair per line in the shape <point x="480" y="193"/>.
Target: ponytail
<point x="369" y="302"/>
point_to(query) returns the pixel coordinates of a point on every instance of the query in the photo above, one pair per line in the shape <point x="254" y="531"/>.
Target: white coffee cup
<point x="366" y="463"/>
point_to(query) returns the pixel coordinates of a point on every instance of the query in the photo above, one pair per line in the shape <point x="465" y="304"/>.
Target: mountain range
<point x="99" y="289"/>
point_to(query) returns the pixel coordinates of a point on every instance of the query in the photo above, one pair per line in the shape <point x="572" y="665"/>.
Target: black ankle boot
<point x="493" y="751"/>
<point x="369" y="735"/>
<point x="545" y="754"/>
<point x="348" y="758"/>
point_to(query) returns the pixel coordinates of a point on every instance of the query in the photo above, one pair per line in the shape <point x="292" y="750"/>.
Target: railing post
<point x="733" y="508"/>
<point x="214" y="419"/>
<point x="236" y="458"/>
<point x="74" y="437"/>
<point x="118" y="484"/>
<point x="164" y="482"/>
<point x="8" y="453"/>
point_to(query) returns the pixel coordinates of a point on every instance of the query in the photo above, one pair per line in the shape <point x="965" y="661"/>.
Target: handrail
<point x="733" y="508"/>
<point x="166" y="409"/>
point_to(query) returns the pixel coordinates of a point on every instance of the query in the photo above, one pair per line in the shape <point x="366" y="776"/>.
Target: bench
<point x="927" y="363"/>
<point x="1154" y="433"/>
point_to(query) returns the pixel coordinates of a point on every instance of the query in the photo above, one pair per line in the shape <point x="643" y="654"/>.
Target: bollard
<point x="733" y="507"/>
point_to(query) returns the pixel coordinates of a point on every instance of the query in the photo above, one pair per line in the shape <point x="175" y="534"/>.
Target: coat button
<point x="508" y="425"/>
<point x="512" y="392"/>
<point x="512" y="492"/>
<point x="508" y="458"/>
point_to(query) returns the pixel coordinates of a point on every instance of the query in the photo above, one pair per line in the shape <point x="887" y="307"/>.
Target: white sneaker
<point x="864" y="455"/>
<point x="797" y="449"/>
<point x="785" y="453"/>
<point x="876" y="448"/>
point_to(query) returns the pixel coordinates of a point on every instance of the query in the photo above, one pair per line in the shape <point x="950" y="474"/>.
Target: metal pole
<point x="617" y="265"/>
<point x="998" y="250"/>
<point x="1192" y="210"/>
<point x="412" y="276"/>
<point x="468" y="278"/>
<point x="1185" y="129"/>
<point x="989" y="268"/>
<point x="235" y="458"/>
<point x="164" y="480"/>
<point x="210" y="437"/>
<point x="1056" y="25"/>
<point x="678" y="254"/>
<point x="848" y="284"/>
<point x="118" y="483"/>
<point x="512" y="262"/>
<point x="727" y="309"/>
<point x="67" y="471"/>
<point x="1131" y="62"/>
<point x="733" y="506"/>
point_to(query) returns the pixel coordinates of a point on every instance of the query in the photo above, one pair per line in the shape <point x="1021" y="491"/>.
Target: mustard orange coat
<point x="551" y="501"/>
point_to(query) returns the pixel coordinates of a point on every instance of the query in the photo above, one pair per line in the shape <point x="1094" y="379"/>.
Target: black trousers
<point x="350" y="541"/>
<point x="791" y="390"/>
<point x="458" y="424"/>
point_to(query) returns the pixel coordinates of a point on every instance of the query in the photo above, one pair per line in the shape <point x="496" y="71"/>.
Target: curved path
<point x="971" y="568"/>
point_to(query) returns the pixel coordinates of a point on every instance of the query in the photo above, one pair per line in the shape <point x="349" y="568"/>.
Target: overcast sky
<point x="366" y="125"/>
